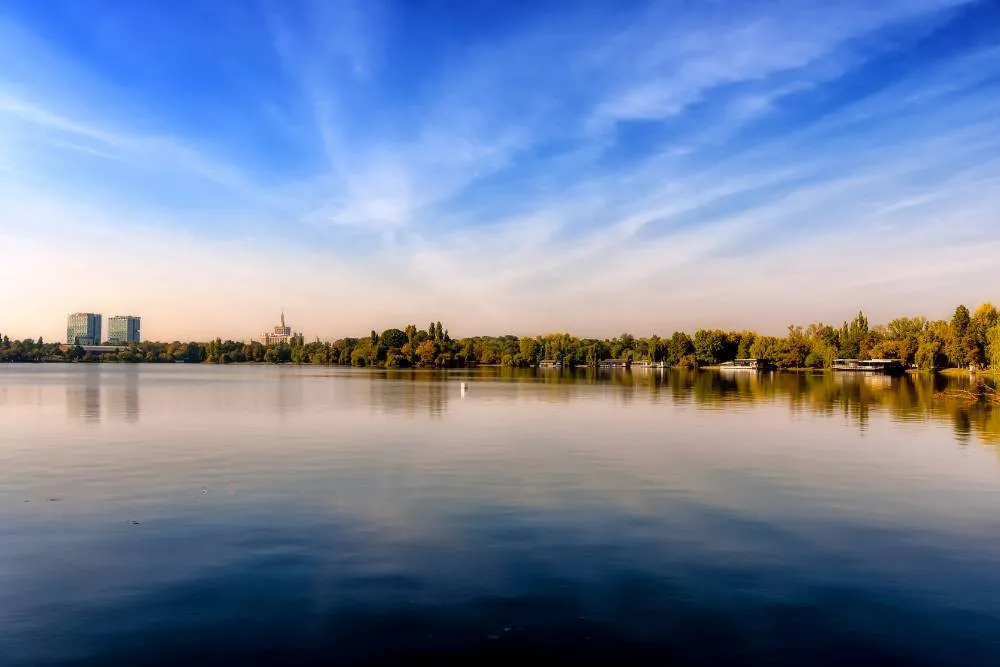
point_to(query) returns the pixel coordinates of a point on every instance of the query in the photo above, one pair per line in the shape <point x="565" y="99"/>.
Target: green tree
<point x="530" y="350"/>
<point x="427" y="353"/>
<point x="985" y="318"/>
<point x="793" y="349"/>
<point x="958" y="352"/>
<point x="360" y="357"/>
<point x="678" y="347"/>
<point x="823" y="344"/>
<point x="928" y="354"/>
<point x="652" y="349"/>
<point x="853" y="337"/>
<point x="993" y="347"/>
<point x="709" y="346"/>
<point x="194" y="353"/>
<point x="902" y="338"/>
<point x="747" y="339"/>
<point x="765" y="347"/>
<point x="393" y="338"/>
<point x="932" y="345"/>
<point x="688" y="361"/>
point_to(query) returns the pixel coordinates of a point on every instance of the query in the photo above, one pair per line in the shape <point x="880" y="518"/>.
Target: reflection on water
<point x="123" y="396"/>
<point x="288" y="393"/>
<point x="83" y="397"/>
<point x="913" y="397"/>
<point x="165" y="515"/>
<point x="94" y="392"/>
<point x="857" y="396"/>
<point x="411" y="392"/>
<point x="97" y="392"/>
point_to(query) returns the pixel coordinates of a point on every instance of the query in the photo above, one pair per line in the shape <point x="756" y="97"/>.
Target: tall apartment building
<point x="83" y="329"/>
<point x="124" y="329"/>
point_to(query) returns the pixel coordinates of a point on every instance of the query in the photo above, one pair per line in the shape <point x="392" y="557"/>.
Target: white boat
<point x="745" y="365"/>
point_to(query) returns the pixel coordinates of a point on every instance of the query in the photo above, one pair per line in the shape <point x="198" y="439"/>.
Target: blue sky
<point x="503" y="167"/>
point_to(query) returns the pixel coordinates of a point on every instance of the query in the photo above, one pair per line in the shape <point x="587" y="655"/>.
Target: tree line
<point x="967" y="339"/>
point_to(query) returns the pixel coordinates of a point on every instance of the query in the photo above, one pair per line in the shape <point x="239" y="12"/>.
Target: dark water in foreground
<point x="260" y="515"/>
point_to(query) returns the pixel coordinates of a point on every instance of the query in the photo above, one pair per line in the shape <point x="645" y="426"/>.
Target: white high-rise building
<point x="124" y="329"/>
<point x="83" y="329"/>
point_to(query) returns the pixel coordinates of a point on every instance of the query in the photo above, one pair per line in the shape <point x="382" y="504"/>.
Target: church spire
<point x="282" y="318"/>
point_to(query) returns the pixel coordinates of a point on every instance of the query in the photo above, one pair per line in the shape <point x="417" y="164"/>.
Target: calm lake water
<point x="166" y="515"/>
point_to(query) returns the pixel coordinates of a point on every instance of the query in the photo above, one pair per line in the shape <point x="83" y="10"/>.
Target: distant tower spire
<point x="282" y="317"/>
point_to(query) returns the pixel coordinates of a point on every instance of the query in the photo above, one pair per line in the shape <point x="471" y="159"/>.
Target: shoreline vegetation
<point x="969" y="340"/>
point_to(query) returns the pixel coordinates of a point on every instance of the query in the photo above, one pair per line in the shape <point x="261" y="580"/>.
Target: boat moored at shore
<point x="887" y="366"/>
<point x="745" y="365"/>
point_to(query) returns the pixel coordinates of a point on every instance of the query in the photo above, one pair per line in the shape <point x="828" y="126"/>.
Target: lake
<point x="165" y="515"/>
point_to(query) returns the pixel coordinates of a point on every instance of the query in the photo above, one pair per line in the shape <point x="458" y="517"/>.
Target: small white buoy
<point x="465" y="388"/>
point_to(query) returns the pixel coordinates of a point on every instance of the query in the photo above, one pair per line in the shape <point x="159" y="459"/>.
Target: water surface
<point x="165" y="515"/>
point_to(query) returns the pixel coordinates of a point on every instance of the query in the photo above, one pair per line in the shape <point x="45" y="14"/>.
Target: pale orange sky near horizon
<point x="190" y="289"/>
<point x="242" y="310"/>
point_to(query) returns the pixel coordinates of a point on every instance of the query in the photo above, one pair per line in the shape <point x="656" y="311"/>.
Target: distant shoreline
<point x="950" y="372"/>
<point x="968" y="341"/>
